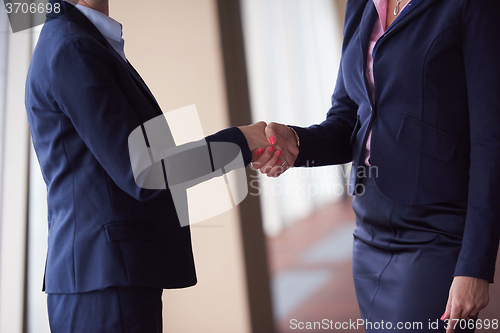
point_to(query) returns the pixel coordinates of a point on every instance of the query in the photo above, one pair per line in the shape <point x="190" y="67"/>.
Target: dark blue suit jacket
<point x="436" y="115"/>
<point x="83" y="101"/>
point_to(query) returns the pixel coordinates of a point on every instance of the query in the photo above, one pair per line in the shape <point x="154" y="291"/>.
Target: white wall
<point x="293" y="51"/>
<point x="14" y="177"/>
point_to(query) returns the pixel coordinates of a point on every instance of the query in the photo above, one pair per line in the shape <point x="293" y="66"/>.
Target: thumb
<point x="272" y="131"/>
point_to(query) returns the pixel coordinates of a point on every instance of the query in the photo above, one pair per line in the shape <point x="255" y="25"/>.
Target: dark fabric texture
<point x="404" y="259"/>
<point x="112" y="310"/>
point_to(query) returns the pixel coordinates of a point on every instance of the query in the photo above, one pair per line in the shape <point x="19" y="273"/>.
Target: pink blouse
<point x="378" y="31"/>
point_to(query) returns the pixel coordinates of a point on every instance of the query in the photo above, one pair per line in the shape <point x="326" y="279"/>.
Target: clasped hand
<point x="273" y="146"/>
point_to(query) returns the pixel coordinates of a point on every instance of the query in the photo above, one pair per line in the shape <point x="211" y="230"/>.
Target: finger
<point x="290" y="149"/>
<point x="256" y="154"/>
<point x="455" y="317"/>
<point x="264" y="157"/>
<point x="267" y="167"/>
<point x="270" y="168"/>
<point x="281" y="166"/>
<point x="278" y="169"/>
<point x="281" y="135"/>
<point x="464" y="310"/>
<point x="473" y="311"/>
<point x="271" y="132"/>
<point x="447" y="313"/>
<point x="259" y="160"/>
<point x="287" y="161"/>
<point x="275" y="131"/>
<point x="469" y="312"/>
<point x="474" y="315"/>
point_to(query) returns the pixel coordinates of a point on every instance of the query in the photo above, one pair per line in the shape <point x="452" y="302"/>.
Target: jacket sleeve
<point x="329" y="142"/>
<point x="87" y="92"/>
<point x="481" y="52"/>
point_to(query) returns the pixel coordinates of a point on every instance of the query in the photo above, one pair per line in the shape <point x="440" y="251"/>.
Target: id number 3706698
<point x="32" y="8"/>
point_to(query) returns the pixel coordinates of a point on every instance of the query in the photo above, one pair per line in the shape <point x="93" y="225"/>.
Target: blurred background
<point x="283" y="256"/>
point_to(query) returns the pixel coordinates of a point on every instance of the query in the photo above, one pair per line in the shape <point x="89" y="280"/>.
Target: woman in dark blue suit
<point x="417" y="104"/>
<point x="113" y="244"/>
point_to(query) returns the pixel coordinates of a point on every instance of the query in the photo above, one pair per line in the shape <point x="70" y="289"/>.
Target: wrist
<point x="296" y="136"/>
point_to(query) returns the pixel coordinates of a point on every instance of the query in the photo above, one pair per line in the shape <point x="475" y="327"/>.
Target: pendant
<point x="396" y="9"/>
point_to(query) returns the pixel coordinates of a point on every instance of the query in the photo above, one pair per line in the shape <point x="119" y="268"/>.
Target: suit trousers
<point x="111" y="310"/>
<point x="404" y="259"/>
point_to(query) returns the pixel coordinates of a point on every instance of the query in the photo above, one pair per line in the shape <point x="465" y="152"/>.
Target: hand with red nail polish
<point x="258" y="143"/>
<point x="255" y="135"/>
<point x="266" y="160"/>
<point x="286" y="152"/>
<point x="467" y="297"/>
<point x="277" y="153"/>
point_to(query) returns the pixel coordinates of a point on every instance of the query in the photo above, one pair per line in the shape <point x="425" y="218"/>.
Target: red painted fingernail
<point x="272" y="140"/>
<point x="260" y="151"/>
<point x="278" y="153"/>
<point x="278" y="162"/>
<point x="271" y="149"/>
<point x="443" y="316"/>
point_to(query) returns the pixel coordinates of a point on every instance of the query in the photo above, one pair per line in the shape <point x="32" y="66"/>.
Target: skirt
<point x="404" y="258"/>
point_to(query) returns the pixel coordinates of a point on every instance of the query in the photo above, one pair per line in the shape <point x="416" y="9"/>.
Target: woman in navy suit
<point x="113" y="245"/>
<point x="416" y="108"/>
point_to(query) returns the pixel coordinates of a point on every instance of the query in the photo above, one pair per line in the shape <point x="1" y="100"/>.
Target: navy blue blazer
<point x="435" y="118"/>
<point x="83" y="101"/>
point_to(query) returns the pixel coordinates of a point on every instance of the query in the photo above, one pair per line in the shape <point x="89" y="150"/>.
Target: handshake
<point x="274" y="147"/>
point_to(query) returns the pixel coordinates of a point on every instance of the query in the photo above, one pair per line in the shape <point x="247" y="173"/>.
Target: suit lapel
<point x="412" y="11"/>
<point x="366" y="27"/>
<point x="411" y="7"/>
